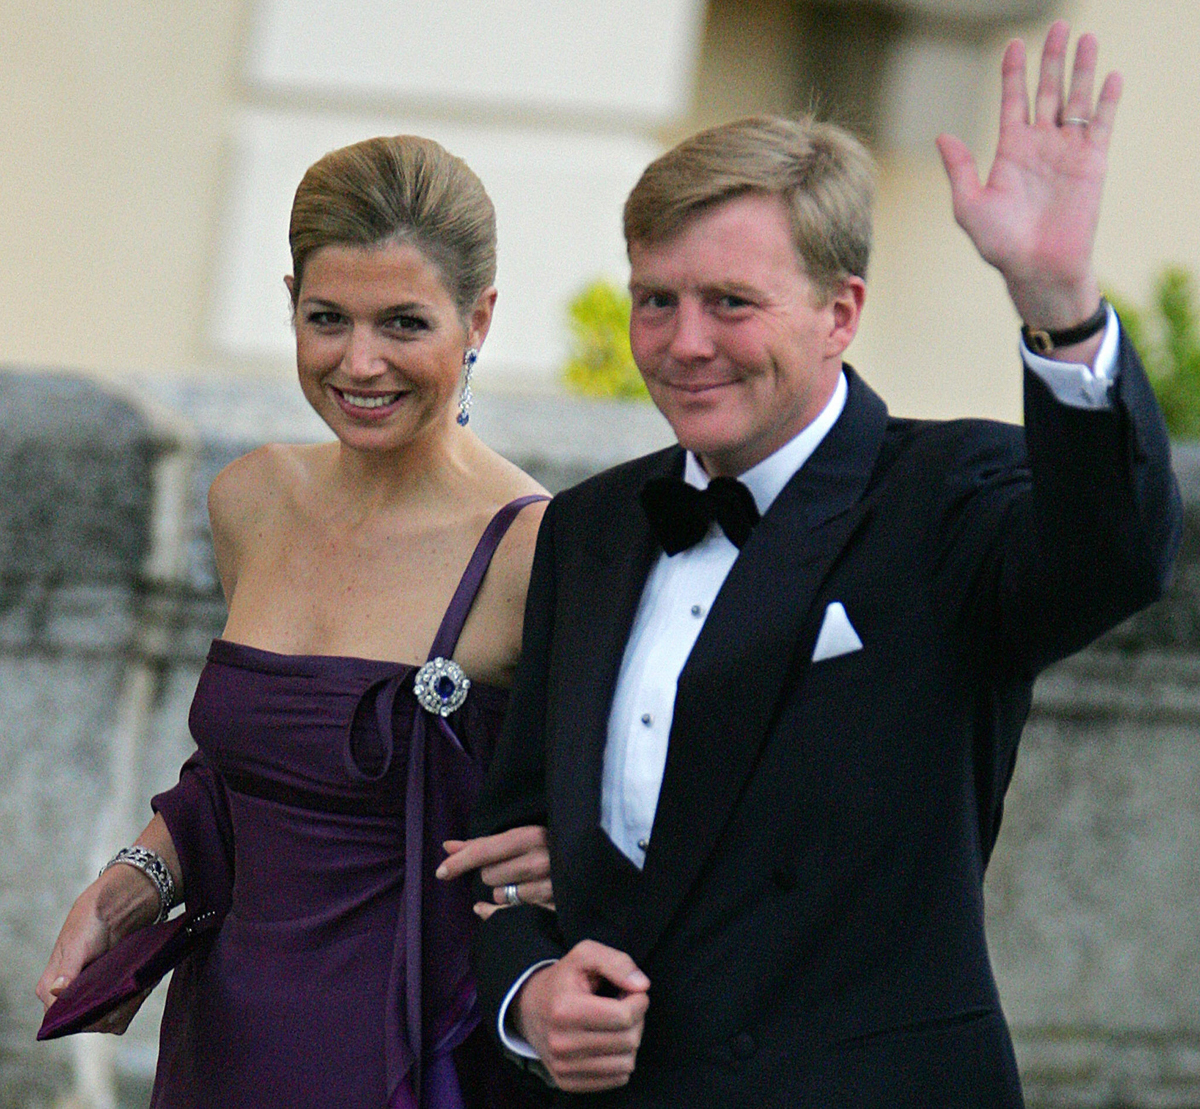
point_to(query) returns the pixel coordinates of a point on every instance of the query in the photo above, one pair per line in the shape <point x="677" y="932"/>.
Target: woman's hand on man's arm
<point x="516" y="858"/>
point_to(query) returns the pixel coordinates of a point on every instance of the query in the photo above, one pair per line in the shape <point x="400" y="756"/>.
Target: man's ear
<point x="846" y="306"/>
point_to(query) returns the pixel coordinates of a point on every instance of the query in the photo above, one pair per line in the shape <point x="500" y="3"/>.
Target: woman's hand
<point x="518" y="857"/>
<point x="120" y="901"/>
<point x="115" y="904"/>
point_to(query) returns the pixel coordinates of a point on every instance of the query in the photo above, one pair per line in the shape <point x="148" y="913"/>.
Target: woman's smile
<point x="369" y="406"/>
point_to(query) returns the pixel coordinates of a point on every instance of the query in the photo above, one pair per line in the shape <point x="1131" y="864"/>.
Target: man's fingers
<point x="586" y="1038"/>
<point x="963" y="175"/>
<point x="600" y="962"/>
<point x="615" y="1022"/>
<point x="591" y="1042"/>
<point x="1014" y="93"/>
<point x="959" y="164"/>
<point x="587" y="1043"/>
<point x="1083" y="79"/>
<point x="1106" y="110"/>
<point x="592" y="1074"/>
<point x="603" y="1073"/>
<point x="1049" y="99"/>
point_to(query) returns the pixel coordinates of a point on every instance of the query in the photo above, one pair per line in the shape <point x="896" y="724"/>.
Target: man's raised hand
<point x="1035" y="217"/>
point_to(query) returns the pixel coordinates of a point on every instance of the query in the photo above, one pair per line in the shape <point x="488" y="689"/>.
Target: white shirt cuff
<point x="509" y="1039"/>
<point x="1075" y="384"/>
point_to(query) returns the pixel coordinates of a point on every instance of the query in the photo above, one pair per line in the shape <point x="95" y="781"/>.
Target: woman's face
<point x="380" y="343"/>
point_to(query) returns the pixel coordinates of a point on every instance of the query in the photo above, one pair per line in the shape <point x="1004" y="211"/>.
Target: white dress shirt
<point x="678" y="594"/>
<point x="675" y="602"/>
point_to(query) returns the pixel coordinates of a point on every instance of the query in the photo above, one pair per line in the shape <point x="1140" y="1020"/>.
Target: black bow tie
<point x="680" y="514"/>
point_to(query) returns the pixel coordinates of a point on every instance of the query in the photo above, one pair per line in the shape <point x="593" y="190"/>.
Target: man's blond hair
<point x="821" y="172"/>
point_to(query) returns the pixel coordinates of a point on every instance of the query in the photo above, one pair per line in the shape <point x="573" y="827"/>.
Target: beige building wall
<point x="113" y="140"/>
<point x="939" y="334"/>
<point x="120" y="124"/>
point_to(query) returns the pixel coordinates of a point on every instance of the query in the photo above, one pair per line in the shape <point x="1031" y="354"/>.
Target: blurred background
<point x="150" y="151"/>
<point x="148" y="155"/>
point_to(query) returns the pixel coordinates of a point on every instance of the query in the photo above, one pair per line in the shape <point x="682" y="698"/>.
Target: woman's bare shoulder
<point x="514" y="556"/>
<point x="501" y="479"/>
<point x="256" y="498"/>
<point x="262" y="482"/>
<point x="491" y="639"/>
<point x="506" y="482"/>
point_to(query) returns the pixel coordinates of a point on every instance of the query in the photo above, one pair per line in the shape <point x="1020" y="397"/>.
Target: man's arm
<point x="583" y="1012"/>
<point x="1097" y="538"/>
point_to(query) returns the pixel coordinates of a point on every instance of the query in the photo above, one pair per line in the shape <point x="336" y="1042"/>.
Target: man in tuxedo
<point x="774" y="677"/>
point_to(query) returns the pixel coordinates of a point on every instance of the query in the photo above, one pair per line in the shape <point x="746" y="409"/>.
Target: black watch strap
<point x="1042" y="341"/>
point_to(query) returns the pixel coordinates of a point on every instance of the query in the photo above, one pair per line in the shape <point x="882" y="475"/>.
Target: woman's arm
<point x="120" y="901"/>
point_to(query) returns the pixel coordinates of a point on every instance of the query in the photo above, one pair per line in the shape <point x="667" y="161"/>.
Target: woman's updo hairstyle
<point x="406" y="190"/>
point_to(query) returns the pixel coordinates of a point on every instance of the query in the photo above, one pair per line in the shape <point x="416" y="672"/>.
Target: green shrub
<point x="601" y="363"/>
<point x="1167" y="335"/>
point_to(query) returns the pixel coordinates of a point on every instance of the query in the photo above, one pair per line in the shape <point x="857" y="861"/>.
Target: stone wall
<point x="108" y="600"/>
<point x="1094" y="889"/>
<point x="73" y="538"/>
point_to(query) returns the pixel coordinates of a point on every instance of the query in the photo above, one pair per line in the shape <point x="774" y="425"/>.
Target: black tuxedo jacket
<point x="810" y="913"/>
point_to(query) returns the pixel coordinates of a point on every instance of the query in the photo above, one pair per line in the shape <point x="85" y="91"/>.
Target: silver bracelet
<point x="153" y="867"/>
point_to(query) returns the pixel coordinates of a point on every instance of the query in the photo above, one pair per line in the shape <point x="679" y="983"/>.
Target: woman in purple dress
<point x="376" y="589"/>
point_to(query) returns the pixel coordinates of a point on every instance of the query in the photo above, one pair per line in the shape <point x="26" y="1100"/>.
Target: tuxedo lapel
<point x="746" y="656"/>
<point x="615" y="561"/>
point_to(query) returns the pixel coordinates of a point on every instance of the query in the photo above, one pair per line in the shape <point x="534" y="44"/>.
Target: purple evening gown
<point x="314" y="812"/>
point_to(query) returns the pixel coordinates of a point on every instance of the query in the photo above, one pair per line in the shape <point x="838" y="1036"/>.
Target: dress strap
<point x="410" y="1056"/>
<point x="464" y="596"/>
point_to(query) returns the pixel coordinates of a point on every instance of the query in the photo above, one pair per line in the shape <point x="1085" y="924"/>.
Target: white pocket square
<point x="837" y="635"/>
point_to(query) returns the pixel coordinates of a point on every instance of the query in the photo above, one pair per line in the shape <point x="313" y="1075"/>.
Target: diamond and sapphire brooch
<point x="441" y="686"/>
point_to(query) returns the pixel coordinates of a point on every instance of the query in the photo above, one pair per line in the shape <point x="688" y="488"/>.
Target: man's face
<point x="738" y="349"/>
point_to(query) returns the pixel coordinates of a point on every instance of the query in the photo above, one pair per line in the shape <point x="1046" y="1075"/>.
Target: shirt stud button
<point x="643" y="844"/>
<point x="696" y="610"/>
<point x="647" y="719"/>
